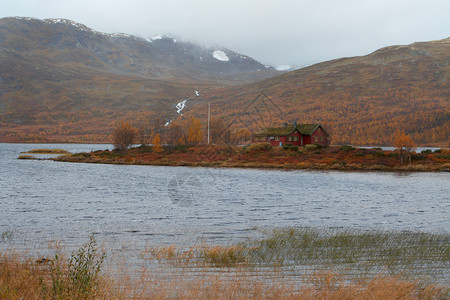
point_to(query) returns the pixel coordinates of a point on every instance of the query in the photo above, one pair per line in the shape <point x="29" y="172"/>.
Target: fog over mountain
<point x="284" y="32"/>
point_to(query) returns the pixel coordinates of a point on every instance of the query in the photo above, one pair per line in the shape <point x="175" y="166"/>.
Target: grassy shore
<point x="262" y="156"/>
<point x="254" y="269"/>
<point x="47" y="151"/>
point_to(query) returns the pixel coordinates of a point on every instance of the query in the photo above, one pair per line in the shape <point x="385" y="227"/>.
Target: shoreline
<point x="318" y="159"/>
<point x="405" y="169"/>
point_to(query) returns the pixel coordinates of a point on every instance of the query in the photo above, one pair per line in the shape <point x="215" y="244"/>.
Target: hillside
<point x="362" y="100"/>
<point x="55" y="71"/>
<point x="62" y="81"/>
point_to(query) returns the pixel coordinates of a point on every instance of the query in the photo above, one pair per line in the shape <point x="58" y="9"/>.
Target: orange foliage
<point x="157" y="144"/>
<point x="124" y="135"/>
<point x="403" y="144"/>
<point x="195" y="132"/>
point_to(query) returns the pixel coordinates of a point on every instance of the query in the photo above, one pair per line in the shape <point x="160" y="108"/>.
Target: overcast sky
<point x="275" y="32"/>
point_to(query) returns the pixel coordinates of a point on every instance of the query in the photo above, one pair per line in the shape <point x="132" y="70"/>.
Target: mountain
<point x="64" y="43"/>
<point x="362" y="100"/>
<point x="61" y="81"/>
<point x="57" y="69"/>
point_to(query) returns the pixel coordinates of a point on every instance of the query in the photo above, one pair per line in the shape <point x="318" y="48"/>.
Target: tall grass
<point x="23" y="279"/>
<point x="254" y="269"/>
<point x="413" y="253"/>
<point x="299" y="250"/>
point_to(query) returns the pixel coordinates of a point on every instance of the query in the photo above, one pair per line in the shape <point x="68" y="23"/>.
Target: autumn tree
<point x="195" y="132"/>
<point x="221" y="132"/>
<point x="175" y="133"/>
<point x="143" y="132"/>
<point x="243" y="136"/>
<point x="157" y="125"/>
<point x="157" y="144"/>
<point x="404" y="145"/>
<point x="328" y="126"/>
<point x="124" y="135"/>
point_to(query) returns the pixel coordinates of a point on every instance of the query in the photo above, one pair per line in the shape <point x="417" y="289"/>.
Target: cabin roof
<point x="305" y="129"/>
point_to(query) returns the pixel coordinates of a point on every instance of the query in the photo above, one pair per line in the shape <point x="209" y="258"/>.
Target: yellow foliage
<point x="404" y="144"/>
<point x="195" y="132"/>
<point x="157" y="144"/>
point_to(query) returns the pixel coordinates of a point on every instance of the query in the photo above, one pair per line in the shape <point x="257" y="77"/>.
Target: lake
<point x="129" y="207"/>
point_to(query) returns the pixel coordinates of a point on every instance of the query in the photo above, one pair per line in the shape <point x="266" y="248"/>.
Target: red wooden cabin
<point x="295" y="134"/>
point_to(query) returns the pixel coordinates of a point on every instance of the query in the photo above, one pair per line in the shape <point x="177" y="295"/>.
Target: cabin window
<point x="295" y="138"/>
<point x="316" y="139"/>
<point x="259" y="138"/>
<point x="277" y="138"/>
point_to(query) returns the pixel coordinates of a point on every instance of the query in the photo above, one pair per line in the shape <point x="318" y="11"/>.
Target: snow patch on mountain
<point x="197" y="94"/>
<point x="283" y="67"/>
<point x="180" y="106"/>
<point x="68" y="22"/>
<point x="220" y="55"/>
<point x="119" y="34"/>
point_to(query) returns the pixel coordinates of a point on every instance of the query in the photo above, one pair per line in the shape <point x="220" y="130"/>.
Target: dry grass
<point x="254" y="269"/>
<point x="26" y="157"/>
<point x="48" y="151"/>
<point x="25" y="278"/>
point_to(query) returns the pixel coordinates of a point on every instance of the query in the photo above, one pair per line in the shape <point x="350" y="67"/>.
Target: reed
<point x="258" y="268"/>
<point x="361" y="252"/>
<point x="24" y="278"/>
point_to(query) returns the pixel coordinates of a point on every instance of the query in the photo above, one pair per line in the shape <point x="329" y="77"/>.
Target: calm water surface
<point x="134" y="206"/>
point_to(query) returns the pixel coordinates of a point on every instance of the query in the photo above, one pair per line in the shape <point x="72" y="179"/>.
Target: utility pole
<point x="209" y="117"/>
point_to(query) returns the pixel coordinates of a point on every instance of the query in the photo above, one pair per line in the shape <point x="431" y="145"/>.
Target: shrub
<point x="311" y="147"/>
<point x="346" y="148"/>
<point x="182" y="148"/>
<point x="84" y="268"/>
<point x="377" y="148"/>
<point x="294" y="148"/>
<point x="79" y="279"/>
<point x="443" y="156"/>
<point x="144" y="149"/>
<point x="258" y="147"/>
<point x="319" y="146"/>
<point x="418" y="156"/>
<point x="427" y="151"/>
<point x="124" y="135"/>
<point x="82" y="154"/>
<point x="287" y="146"/>
<point x="379" y="153"/>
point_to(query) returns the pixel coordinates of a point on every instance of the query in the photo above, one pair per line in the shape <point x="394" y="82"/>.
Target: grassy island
<point x="47" y="151"/>
<point x="262" y="155"/>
